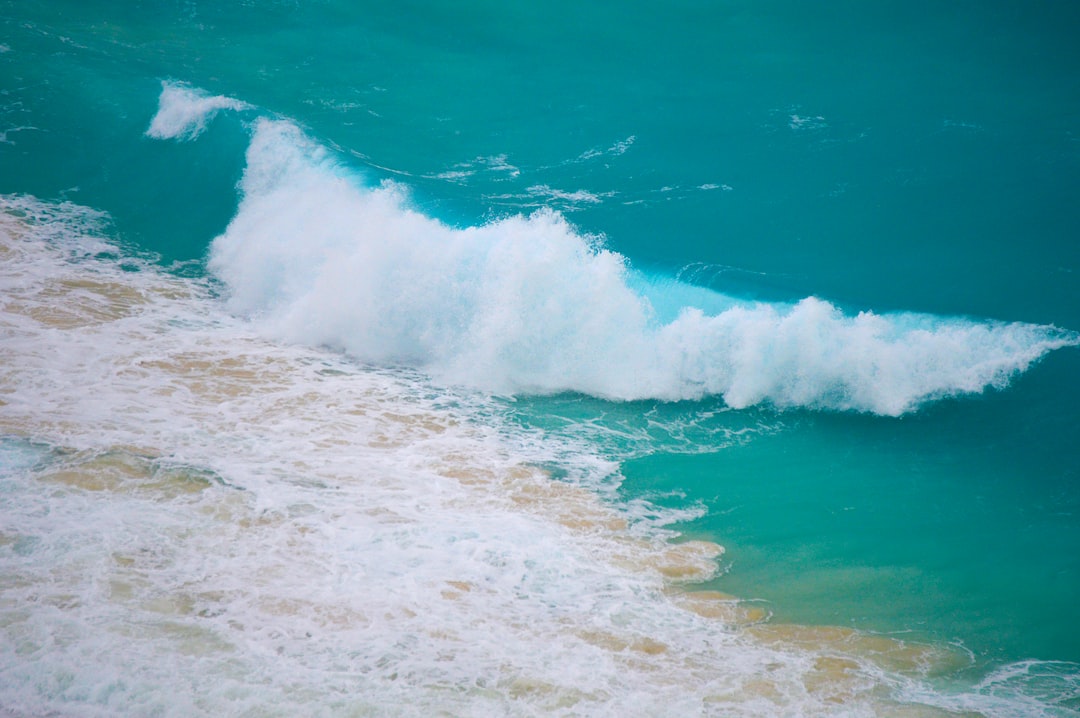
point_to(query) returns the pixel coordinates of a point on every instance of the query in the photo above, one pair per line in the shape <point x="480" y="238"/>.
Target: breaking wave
<point x="527" y="304"/>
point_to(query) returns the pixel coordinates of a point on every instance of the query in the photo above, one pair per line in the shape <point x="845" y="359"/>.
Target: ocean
<point x="521" y="359"/>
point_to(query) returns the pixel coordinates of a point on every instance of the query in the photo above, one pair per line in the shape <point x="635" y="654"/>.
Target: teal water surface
<point x="885" y="157"/>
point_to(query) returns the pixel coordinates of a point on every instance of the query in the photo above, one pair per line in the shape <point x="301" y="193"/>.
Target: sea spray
<point x="526" y="304"/>
<point x="184" y="111"/>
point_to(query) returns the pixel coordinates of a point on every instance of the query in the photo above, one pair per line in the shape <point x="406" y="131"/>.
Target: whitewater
<point x="296" y="484"/>
<point x="526" y="304"/>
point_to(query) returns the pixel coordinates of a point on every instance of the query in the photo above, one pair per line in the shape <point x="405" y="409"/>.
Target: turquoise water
<point x="601" y="224"/>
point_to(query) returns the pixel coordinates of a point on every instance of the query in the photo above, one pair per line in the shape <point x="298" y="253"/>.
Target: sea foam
<point x="226" y="525"/>
<point x="255" y="527"/>
<point x="183" y="111"/>
<point x="527" y="304"/>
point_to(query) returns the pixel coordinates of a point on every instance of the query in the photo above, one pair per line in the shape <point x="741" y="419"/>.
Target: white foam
<point x="4" y="135"/>
<point x="619" y="148"/>
<point x="184" y="111"/>
<point x="527" y="304"/>
<point x="580" y="196"/>
<point x="221" y="525"/>
<point x="1025" y="689"/>
<point x="198" y="521"/>
<point x="497" y="165"/>
<point x="544" y="196"/>
<point x="815" y="122"/>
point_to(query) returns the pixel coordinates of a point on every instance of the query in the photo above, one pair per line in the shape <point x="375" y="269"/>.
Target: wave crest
<point x="183" y="111"/>
<point x="526" y="304"/>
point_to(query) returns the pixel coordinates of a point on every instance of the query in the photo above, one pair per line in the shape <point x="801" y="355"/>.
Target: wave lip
<point x="812" y="355"/>
<point x="184" y="111"/>
<point x="526" y="304"/>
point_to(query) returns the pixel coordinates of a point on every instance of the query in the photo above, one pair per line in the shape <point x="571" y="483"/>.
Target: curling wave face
<point x="526" y="304"/>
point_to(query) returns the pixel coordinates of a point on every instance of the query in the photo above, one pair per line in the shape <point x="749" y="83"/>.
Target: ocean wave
<point x="251" y="523"/>
<point x="527" y="304"/>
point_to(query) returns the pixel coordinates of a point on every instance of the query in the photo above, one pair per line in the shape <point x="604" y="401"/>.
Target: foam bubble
<point x="183" y="111"/>
<point x="528" y="304"/>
